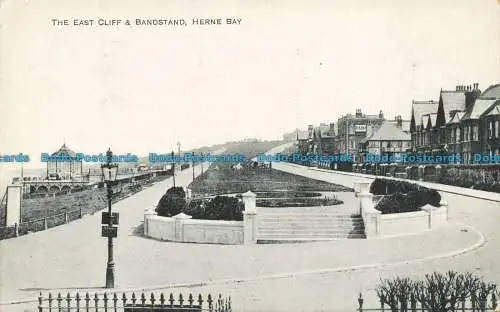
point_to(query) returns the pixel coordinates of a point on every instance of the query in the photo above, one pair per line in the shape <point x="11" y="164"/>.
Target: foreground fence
<point x="132" y="303"/>
<point x="411" y="304"/>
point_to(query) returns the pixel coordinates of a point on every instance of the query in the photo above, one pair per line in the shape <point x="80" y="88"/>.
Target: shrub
<point x="379" y="187"/>
<point x="224" y="208"/>
<point x="172" y="203"/>
<point x="436" y="292"/>
<point x="395" y="203"/>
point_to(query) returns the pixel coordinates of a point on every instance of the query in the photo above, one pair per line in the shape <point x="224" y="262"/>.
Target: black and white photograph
<point x="233" y="156"/>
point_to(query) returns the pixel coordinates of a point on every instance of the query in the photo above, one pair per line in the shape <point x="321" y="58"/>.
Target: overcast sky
<point x="287" y="65"/>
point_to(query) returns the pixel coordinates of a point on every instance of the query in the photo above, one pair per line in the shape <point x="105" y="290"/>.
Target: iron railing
<point x="109" y="302"/>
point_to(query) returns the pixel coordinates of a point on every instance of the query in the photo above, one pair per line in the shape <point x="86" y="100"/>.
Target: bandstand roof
<point x="64" y="151"/>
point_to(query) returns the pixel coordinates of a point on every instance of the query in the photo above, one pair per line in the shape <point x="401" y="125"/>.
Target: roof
<point x="420" y="108"/>
<point x="389" y="132"/>
<point x="492" y="91"/>
<point x="325" y="131"/>
<point x="433" y="118"/>
<point x="64" y="151"/>
<point x="457" y="117"/>
<point x="480" y="107"/>
<point x="405" y="124"/>
<point x="303" y="134"/>
<point x="425" y="120"/>
<point x="452" y="100"/>
<point x="495" y="110"/>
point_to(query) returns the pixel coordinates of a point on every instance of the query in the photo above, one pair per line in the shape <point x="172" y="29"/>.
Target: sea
<point x="8" y="173"/>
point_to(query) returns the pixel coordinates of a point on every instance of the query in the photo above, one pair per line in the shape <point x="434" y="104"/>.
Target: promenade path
<point x="291" y="277"/>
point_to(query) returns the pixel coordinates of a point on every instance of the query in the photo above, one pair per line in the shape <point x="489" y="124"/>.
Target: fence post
<point x="360" y="302"/>
<point x="45" y="223"/>
<point x="16" y="229"/>
<point x="81" y="215"/>
<point x="66" y="217"/>
<point x="40" y="308"/>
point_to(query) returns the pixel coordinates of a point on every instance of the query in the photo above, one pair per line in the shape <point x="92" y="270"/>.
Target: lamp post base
<point x="110" y="276"/>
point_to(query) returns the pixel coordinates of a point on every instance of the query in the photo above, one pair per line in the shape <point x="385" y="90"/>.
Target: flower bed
<point x="298" y="202"/>
<point x="222" y="179"/>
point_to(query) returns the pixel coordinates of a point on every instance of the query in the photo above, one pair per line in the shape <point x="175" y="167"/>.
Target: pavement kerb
<point x="481" y="242"/>
<point x="437" y="186"/>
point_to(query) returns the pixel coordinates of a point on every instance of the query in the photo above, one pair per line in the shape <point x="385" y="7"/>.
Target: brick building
<point x="463" y="121"/>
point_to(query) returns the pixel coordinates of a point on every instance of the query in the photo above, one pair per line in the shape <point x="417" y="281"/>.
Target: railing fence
<point x="134" y="303"/>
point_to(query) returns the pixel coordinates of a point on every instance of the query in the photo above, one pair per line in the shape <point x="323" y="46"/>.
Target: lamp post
<point x="108" y="218"/>
<point x="173" y="167"/>
<point x="202" y="160"/>
<point x="193" y="168"/>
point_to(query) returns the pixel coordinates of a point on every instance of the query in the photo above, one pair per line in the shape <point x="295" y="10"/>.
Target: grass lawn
<point x="222" y="179"/>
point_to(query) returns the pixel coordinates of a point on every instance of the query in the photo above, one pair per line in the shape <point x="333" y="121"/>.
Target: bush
<point x="436" y="292"/>
<point x="395" y="203"/>
<point x="224" y="208"/>
<point x="379" y="187"/>
<point x="172" y="203"/>
<point x="415" y="196"/>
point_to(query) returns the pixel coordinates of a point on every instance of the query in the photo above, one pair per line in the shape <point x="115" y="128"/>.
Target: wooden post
<point x="81" y="214"/>
<point x="66" y="217"/>
<point x="16" y="229"/>
<point x="45" y="223"/>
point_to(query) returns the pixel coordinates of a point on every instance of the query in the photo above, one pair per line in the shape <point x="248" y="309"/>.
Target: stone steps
<point x="307" y="226"/>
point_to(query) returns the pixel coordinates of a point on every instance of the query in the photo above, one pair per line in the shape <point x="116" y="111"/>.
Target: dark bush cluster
<point x="437" y="292"/>
<point x="403" y="196"/>
<point x="218" y="208"/>
<point x="172" y="203"/>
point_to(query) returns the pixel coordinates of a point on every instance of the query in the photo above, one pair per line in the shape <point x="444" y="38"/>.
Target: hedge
<point x="402" y="196"/>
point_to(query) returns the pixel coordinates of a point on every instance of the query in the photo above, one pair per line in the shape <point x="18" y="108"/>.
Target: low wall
<point x="215" y="232"/>
<point x="379" y="225"/>
<point x="181" y="228"/>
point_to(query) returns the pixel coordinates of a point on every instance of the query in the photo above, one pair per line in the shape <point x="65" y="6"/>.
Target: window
<point x="490" y="132"/>
<point x="475" y="133"/>
<point x="496" y="129"/>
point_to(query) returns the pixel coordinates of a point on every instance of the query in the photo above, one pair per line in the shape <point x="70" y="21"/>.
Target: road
<point x="302" y="277"/>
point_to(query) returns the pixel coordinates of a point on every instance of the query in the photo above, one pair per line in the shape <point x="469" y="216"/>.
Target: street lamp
<point x="173" y="167"/>
<point x="109" y="172"/>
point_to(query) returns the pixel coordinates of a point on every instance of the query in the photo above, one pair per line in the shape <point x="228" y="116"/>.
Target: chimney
<point x="359" y="114"/>
<point x="476" y="86"/>
<point x="457" y="88"/>
<point x="310" y="129"/>
<point x="399" y="122"/>
<point x="381" y="115"/>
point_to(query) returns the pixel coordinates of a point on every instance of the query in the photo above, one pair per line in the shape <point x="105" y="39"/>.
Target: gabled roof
<point x="389" y="132"/>
<point x="420" y="108"/>
<point x="433" y="119"/>
<point x="425" y="120"/>
<point x="492" y="91"/>
<point x="64" y="151"/>
<point x="452" y="100"/>
<point x="494" y="109"/>
<point x="479" y="107"/>
<point x="457" y="117"/>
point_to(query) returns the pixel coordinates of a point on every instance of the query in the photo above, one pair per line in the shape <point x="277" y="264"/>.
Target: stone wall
<point x="380" y="225"/>
<point x="182" y="228"/>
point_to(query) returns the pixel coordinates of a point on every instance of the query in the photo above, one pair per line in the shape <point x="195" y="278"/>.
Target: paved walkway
<point x="291" y="277"/>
